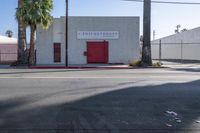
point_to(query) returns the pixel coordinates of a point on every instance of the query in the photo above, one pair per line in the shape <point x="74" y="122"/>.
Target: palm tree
<point x="34" y="13"/>
<point x="22" y="43"/>
<point x="146" y="48"/>
<point x="9" y="33"/>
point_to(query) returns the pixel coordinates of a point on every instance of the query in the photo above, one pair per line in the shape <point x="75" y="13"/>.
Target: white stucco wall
<point x="122" y="50"/>
<point x="185" y="45"/>
<point x="45" y="41"/>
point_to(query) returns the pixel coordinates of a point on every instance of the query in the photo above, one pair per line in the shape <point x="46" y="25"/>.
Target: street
<point x="159" y="100"/>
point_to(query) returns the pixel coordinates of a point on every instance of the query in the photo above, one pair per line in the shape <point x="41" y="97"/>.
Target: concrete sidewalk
<point x="82" y="66"/>
<point x="178" y="65"/>
<point x="166" y="64"/>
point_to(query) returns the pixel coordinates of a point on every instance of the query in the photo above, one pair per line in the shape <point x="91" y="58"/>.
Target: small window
<point x="57" y="52"/>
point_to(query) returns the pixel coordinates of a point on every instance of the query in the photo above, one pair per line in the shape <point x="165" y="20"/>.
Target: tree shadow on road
<point x="128" y="110"/>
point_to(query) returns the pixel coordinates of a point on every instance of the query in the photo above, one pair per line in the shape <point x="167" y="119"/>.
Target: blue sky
<point x="164" y="17"/>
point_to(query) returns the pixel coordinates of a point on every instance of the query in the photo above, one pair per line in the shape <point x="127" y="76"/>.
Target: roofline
<point x="8" y="37"/>
<point x="177" y="33"/>
<point x="101" y="16"/>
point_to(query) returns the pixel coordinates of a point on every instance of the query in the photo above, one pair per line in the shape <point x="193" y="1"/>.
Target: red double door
<point x="97" y="52"/>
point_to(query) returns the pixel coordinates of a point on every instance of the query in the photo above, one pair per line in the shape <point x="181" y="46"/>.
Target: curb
<point x="75" y="67"/>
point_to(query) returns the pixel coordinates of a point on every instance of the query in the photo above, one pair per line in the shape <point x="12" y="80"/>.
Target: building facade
<point x="8" y="50"/>
<point x="99" y="40"/>
<point x="182" y="46"/>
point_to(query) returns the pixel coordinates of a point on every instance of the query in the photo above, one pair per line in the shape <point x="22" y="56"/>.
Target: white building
<point x="184" y="45"/>
<point x="91" y="40"/>
<point x="8" y="49"/>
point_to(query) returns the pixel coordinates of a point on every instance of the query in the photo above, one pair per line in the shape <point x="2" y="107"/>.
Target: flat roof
<point x="7" y="40"/>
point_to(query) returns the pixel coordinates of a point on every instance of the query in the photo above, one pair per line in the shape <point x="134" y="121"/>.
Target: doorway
<point x="97" y="52"/>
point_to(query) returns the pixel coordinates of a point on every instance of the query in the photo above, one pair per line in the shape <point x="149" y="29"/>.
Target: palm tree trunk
<point x="146" y="48"/>
<point x="22" y="44"/>
<point x="32" y="46"/>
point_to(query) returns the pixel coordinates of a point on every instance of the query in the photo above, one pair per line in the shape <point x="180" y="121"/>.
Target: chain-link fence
<point x="176" y="51"/>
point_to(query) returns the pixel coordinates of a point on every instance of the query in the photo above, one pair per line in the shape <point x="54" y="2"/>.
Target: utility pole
<point x="66" y="37"/>
<point x="160" y="50"/>
<point x="146" y="49"/>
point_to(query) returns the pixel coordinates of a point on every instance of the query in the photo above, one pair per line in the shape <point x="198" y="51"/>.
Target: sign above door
<point x="97" y="34"/>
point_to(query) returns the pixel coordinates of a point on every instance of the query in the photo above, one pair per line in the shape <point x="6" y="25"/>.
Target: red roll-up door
<point x="97" y="52"/>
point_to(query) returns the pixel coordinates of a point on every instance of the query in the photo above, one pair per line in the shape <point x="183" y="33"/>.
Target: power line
<point x="168" y="2"/>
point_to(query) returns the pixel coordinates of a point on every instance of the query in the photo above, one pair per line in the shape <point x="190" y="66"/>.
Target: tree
<point x="183" y="30"/>
<point x="177" y="30"/>
<point x="9" y="33"/>
<point x="146" y="47"/>
<point x="22" y="43"/>
<point x="34" y="13"/>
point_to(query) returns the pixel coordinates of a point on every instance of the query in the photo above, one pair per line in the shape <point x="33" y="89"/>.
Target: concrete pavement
<point x="100" y="100"/>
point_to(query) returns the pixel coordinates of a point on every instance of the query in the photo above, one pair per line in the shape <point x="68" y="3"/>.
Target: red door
<point x="57" y="52"/>
<point x="97" y="52"/>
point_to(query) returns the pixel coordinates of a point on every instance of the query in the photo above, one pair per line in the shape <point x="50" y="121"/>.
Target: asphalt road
<point x="100" y="101"/>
